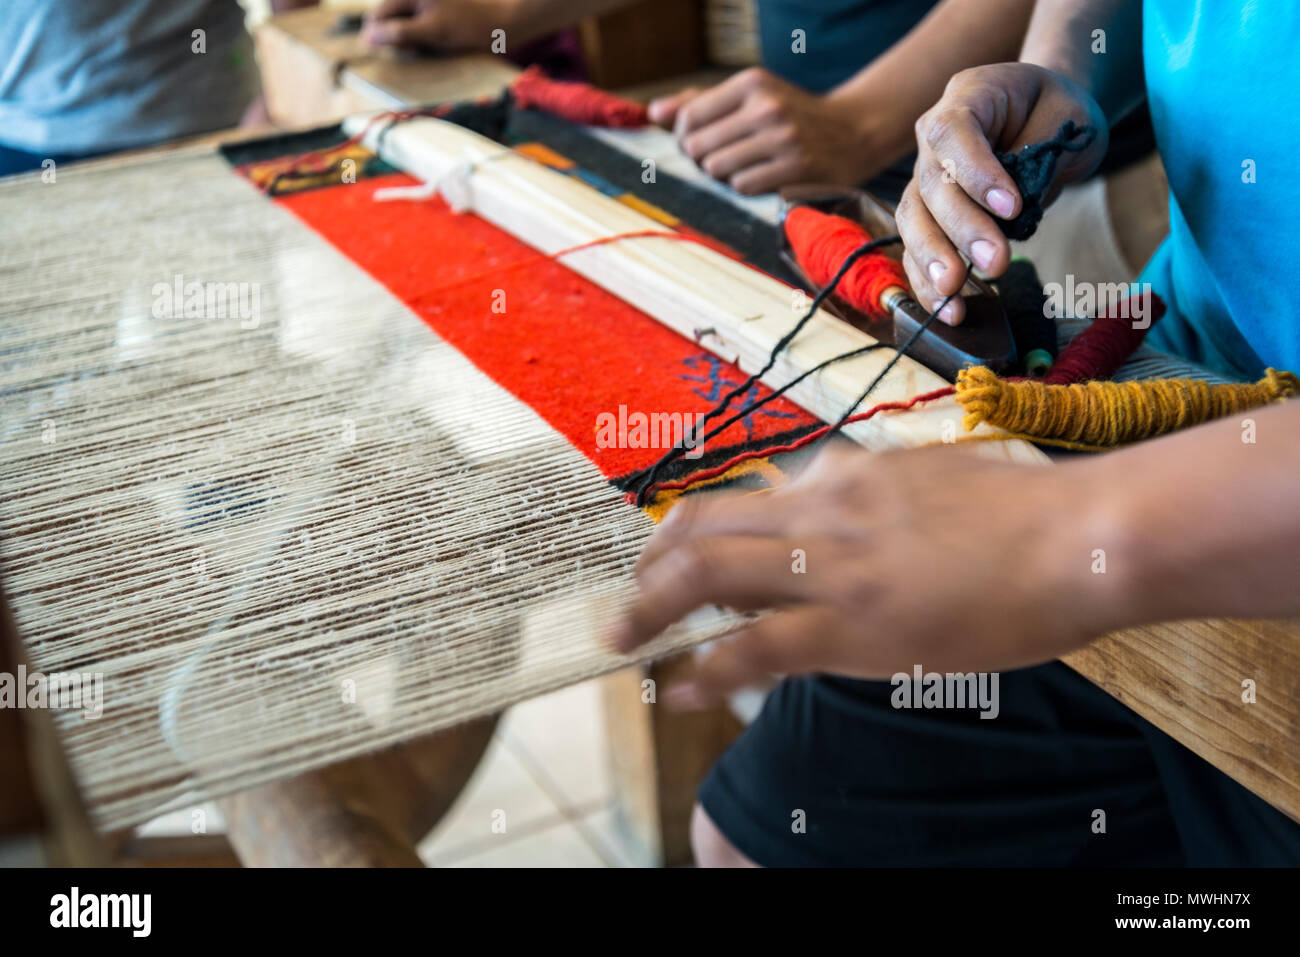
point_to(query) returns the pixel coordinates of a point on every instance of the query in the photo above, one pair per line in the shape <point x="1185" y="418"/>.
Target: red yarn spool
<point x="1103" y="347"/>
<point x="821" y="242"/>
<point x="577" y="102"/>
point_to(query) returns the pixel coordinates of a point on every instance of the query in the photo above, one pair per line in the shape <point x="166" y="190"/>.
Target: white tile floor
<point x="541" y="797"/>
<point x="545" y="777"/>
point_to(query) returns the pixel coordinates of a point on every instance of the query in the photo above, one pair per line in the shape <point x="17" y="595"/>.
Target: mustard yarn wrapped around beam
<point x="1109" y="413"/>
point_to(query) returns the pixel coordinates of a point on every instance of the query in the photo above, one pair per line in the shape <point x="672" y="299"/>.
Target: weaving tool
<point x="687" y="287"/>
<point x="983" y="339"/>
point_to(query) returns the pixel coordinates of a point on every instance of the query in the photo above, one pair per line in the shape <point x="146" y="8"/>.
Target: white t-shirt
<point x="83" y="76"/>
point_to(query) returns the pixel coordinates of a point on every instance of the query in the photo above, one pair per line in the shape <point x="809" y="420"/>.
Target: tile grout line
<point x="543" y="780"/>
<point x="468" y="849"/>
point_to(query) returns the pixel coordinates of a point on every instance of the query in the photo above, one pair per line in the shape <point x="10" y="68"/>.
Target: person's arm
<point x="1097" y="44"/>
<point x="904" y="81"/>
<point x="758" y="132"/>
<point x="961" y="564"/>
<point x="468" y="24"/>
<point x="1207" y="522"/>
<point x="958" y="186"/>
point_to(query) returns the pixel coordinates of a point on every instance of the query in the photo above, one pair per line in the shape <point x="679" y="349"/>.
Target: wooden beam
<point x="369" y="811"/>
<point x="181" y="850"/>
<point x="1190" y="678"/>
<point x="660" y="757"/>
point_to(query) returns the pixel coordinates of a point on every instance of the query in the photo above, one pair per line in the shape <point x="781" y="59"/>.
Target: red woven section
<point x="564" y="346"/>
<point x="821" y="242"/>
<point x="577" y="102"/>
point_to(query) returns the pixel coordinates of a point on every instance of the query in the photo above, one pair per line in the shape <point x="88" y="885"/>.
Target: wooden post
<point x="42" y="818"/>
<point x="660" y="757"/>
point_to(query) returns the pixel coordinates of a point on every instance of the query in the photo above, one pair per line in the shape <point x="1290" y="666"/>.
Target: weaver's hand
<point x="937" y="558"/>
<point x="758" y="133"/>
<point x="438" y="24"/>
<point x="958" y="185"/>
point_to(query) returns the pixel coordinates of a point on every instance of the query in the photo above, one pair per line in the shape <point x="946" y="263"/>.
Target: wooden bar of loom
<point x="1190" y="679"/>
<point x="730" y="309"/>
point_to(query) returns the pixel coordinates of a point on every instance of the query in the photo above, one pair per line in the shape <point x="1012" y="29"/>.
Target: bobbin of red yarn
<point x="1099" y="350"/>
<point x="576" y="102"/>
<point x="821" y="242"/>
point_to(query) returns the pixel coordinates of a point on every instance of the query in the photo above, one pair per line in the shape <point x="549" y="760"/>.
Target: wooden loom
<point x="690" y="288"/>
<point x="1183" y="677"/>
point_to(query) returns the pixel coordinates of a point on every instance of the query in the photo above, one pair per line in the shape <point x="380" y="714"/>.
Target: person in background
<point x="842" y="82"/>
<point x="840" y="89"/>
<point x="842" y="85"/>
<point x="835" y="101"/>
<point x="541" y="32"/>
<point x="97" y="76"/>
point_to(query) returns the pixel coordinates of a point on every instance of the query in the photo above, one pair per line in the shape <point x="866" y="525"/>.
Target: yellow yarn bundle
<point x="1109" y="413"/>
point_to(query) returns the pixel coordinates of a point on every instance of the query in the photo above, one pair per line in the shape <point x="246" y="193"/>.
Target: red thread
<point x="706" y="474"/>
<point x="821" y="242"/>
<point x="1103" y="347"/>
<point x="576" y="102"/>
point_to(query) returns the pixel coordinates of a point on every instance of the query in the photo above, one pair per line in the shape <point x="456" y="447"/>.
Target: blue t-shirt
<point x="837" y="37"/>
<point x="1222" y="83"/>
<point x="88" y="76"/>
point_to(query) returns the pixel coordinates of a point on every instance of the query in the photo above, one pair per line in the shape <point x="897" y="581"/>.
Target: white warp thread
<point x="283" y="541"/>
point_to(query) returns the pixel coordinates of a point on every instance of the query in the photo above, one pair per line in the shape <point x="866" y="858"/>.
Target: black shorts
<point x="831" y="774"/>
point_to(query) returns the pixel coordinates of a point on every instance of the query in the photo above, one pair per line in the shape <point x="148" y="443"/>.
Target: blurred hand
<point x="758" y="133"/>
<point x="437" y="24"/>
<point x="958" y="185"/>
<point x="936" y="557"/>
<point x="256" y="114"/>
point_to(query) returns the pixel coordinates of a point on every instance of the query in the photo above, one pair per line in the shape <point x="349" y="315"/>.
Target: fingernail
<point x="936" y="270"/>
<point x="982" y="252"/>
<point x="1001" y="202"/>
<point x="948" y="314"/>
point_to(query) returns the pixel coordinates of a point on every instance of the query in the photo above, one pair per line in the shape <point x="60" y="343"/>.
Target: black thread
<point x="902" y="351"/>
<point x="680" y="449"/>
<point x="776" y="394"/>
<point x="1033" y="169"/>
